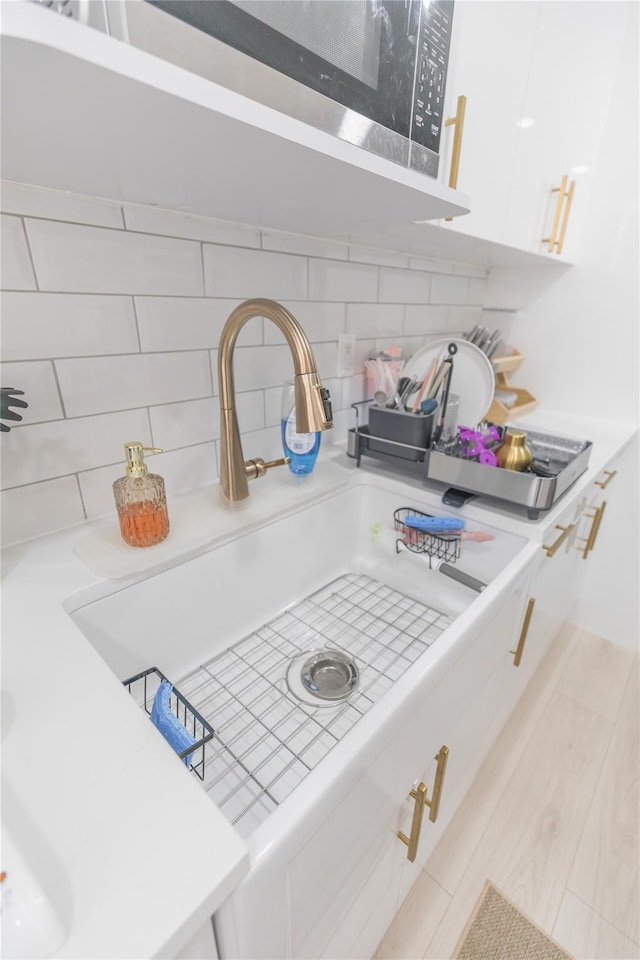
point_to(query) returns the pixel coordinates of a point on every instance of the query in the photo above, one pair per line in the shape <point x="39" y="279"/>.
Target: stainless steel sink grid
<point x="266" y="740"/>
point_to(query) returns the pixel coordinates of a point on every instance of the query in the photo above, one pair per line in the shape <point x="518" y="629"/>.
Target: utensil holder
<point x="400" y="434"/>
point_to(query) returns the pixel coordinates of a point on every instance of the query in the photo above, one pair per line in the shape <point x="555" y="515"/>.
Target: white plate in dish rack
<point x="472" y="378"/>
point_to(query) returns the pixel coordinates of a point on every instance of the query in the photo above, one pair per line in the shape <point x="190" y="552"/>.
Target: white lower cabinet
<point x="464" y="713"/>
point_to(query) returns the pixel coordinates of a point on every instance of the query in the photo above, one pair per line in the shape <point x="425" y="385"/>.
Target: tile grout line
<point x="30" y="252"/>
<point x="135" y="318"/>
<point x="84" y="508"/>
<point x="59" y="388"/>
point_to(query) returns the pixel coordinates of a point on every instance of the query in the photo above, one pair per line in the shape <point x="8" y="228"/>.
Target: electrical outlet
<point x="346" y="355"/>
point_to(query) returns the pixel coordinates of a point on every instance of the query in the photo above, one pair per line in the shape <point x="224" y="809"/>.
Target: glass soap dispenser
<point x="141" y="500"/>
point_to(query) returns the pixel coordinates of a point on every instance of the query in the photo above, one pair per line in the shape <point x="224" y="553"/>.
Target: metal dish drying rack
<point x="143" y="688"/>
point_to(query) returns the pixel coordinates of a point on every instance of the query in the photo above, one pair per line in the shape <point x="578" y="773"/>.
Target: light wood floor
<point x="552" y="819"/>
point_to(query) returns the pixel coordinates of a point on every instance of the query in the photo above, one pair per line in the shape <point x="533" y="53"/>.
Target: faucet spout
<point x="313" y="403"/>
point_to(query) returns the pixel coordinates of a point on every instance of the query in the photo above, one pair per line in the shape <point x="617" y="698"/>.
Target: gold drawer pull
<point x="609" y="474"/>
<point x="458" y="122"/>
<point x="554" y="547"/>
<point x="565" y="218"/>
<point x="595" y="529"/>
<point x="563" y="194"/>
<point x="517" y="653"/>
<point x="421" y="800"/>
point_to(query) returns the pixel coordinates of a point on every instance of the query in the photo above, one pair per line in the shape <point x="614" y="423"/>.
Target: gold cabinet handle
<point x="609" y="474"/>
<point x="458" y="122"/>
<point x="565" y="217"/>
<point x="412" y="841"/>
<point x="595" y="529"/>
<point x="555" y="546"/>
<point x="421" y="800"/>
<point x="563" y="195"/>
<point x="517" y="653"/>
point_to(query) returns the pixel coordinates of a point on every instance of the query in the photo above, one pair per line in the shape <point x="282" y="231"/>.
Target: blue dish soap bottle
<point x="302" y="448"/>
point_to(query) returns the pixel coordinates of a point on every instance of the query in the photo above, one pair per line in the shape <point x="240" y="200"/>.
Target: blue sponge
<point x="168" y="724"/>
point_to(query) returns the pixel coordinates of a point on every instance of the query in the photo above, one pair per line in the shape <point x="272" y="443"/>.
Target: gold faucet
<point x="312" y="400"/>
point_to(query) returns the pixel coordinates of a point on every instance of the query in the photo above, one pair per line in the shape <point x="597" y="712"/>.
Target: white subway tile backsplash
<point x="429" y="265"/>
<point x="233" y="272"/>
<point x="304" y="246"/>
<point x="38" y="382"/>
<point x="15" y="266"/>
<point x="39" y="325"/>
<point x="177" y="425"/>
<point x="213" y="363"/>
<point x="425" y="319"/>
<point x="267" y="444"/>
<point x="188" y="323"/>
<point x="404" y="286"/>
<point x="463" y="319"/>
<point x="382" y="258"/>
<point x="81" y="259"/>
<point x="187" y="468"/>
<point x="29" y="201"/>
<point x="273" y="406"/>
<point x="476" y="291"/>
<point x="39" y="508"/>
<point x="261" y="367"/>
<point x="348" y="282"/>
<point x="320" y="321"/>
<point x="175" y="223"/>
<point x="449" y="289"/>
<point x="183" y="424"/>
<point x="368" y="320"/>
<point x="101" y="384"/>
<point x="250" y="409"/>
<point x="181" y="470"/>
<point x="47" y="450"/>
<point x="469" y="270"/>
<point x="124" y="313"/>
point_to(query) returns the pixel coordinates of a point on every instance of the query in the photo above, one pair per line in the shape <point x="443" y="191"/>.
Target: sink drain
<point x="328" y="675"/>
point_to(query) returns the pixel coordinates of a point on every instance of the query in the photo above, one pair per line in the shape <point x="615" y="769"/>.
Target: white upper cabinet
<point x="538" y="76"/>
<point x="571" y="80"/>
<point x="492" y="47"/>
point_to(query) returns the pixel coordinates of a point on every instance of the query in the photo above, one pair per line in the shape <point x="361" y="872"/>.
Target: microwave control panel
<point x="431" y="73"/>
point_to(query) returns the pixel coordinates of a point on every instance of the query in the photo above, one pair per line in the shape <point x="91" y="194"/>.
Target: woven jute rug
<point x="497" y="930"/>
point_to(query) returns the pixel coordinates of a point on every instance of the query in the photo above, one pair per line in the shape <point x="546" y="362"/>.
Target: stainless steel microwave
<point x="371" y="72"/>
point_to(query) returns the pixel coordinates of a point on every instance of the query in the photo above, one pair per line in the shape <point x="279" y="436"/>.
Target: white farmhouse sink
<point x="225" y="626"/>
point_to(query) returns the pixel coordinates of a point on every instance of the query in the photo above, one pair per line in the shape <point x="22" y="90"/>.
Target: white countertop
<point x="132" y="853"/>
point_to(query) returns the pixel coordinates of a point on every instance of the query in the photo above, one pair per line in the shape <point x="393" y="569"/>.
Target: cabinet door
<point x="608" y="600"/>
<point x="492" y="48"/>
<point x="556" y="584"/>
<point x="573" y="70"/>
<point x="464" y="712"/>
<point x="343" y="883"/>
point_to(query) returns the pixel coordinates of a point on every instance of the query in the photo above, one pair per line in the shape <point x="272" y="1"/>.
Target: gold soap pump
<point x="141" y="500"/>
<point x="513" y="453"/>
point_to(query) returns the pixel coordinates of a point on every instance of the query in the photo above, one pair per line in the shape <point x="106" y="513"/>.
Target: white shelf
<point x="84" y="112"/>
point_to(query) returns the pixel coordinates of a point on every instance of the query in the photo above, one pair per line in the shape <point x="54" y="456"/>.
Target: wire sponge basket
<point x="441" y="546"/>
<point x="143" y="688"/>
